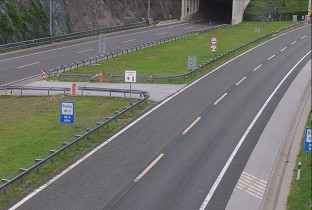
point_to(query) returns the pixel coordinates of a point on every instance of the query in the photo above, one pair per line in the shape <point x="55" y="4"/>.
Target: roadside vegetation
<point x="300" y="196"/>
<point x="171" y="58"/>
<point x="30" y="127"/>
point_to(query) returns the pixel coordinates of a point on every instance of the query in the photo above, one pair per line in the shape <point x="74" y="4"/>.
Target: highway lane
<point x="27" y="63"/>
<point x="186" y="173"/>
<point x="191" y="162"/>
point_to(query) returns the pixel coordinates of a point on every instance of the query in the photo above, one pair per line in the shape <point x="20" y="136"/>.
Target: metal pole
<point x="50" y="18"/>
<point x="148" y="11"/>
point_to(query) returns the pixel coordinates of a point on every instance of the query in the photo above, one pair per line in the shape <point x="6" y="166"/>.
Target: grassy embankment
<point x="30" y="127"/>
<point x="300" y="196"/>
<point x="171" y="58"/>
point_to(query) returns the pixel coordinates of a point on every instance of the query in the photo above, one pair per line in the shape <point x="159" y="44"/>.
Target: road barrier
<point x="49" y="40"/>
<point x="31" y="88"/>
<point x="24" y="171"/>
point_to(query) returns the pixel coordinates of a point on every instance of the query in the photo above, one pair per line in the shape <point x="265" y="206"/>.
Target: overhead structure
<point x="228" y="11"/>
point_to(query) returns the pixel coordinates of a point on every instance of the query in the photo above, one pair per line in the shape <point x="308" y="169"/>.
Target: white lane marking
<point x="85" y="51"/>
<point x="303" y="37"/>
<point x="240" y="81"/>
<point x="191" y="126"/>
<point x="148" y="168"/>
<point x="130" y="125"/>
<point x="162" y="33"/>
<point x="271" y="57"/>
<point x="293" y="42"/>
<point x="217" y="101"/>
<point x="130" y="40"/>
<point x="188" y="28"/>
<point x="27" y="65"/>
<point x="257" y="67"/>
<point x="241" y="141"/>
<point x="75" y="45"/>
<point x="283" y="49"/>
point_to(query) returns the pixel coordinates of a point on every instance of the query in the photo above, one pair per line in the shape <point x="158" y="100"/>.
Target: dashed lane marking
<point x="148" y="168"/>
<point x="28" y="65"/>
<point x="240" y="81"/>
<point x="191" y="126"/>
<point x="217" y="101"/>
<point x="293" y="42"/>
<point x="283" y="49"/>
<point x="257" y="67"/>
<point x="271" y="57"/>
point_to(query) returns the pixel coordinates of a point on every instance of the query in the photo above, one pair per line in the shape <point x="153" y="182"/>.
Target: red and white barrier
<point x="43" y="74"/>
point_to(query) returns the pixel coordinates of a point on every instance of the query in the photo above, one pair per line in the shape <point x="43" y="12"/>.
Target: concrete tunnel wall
<point x="224" y="11"/>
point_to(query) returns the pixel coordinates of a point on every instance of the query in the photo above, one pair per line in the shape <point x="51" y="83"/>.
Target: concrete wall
<point x="238" y="10"/>
<point x="189" y="9"/>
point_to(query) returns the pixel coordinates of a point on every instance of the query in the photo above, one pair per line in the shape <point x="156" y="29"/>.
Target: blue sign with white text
<point x="67" y="110"/>
<point x="307" y="140"/>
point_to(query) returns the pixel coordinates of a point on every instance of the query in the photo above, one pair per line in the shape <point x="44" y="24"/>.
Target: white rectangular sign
<point x="130" y="76"/>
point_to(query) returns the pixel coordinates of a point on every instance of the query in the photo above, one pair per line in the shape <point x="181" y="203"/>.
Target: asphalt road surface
<point x="26" y="63"/>
<point x="174" y="156"/>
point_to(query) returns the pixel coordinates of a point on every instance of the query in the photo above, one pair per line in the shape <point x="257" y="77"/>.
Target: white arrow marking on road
<point x="27" y="65"/>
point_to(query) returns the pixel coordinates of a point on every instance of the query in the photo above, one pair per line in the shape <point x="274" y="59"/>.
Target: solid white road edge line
<point x="129" y="126"/>
<point x="148" y="168"/>
<point x="227" y="164"/>
<point x="28" y="65"/>
<point x="191" y="125"/>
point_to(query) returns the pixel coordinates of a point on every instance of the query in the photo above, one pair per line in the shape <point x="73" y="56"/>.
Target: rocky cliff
<point x="91" y="14"/>
<point x="29" y="19"/>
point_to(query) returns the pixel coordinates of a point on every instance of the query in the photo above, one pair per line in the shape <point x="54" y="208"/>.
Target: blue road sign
<point x="67" y="110"/>
<point x="307" y="140"/>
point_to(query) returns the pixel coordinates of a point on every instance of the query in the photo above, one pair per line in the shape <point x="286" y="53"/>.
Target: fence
<point x="24" y="171"/>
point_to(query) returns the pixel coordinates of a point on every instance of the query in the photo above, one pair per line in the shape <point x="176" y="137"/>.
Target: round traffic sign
<point x="214" y="40"/>
<point x="213" y="48"/>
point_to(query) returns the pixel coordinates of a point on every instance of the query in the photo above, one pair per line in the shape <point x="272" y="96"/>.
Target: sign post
<point x="102" y="44"/>
<point x="191" y="62"/>
<point x="307" y="142"/>
<point x="67" y="114"/>
<point x="213" y="46"/>
<point x="130" y="77"/>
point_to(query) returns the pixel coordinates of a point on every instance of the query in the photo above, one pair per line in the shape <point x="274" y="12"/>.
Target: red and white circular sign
<point x="214" y="40"/>
<point x="213" y="48"/>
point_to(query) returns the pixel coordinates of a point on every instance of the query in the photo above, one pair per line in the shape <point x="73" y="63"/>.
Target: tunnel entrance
<point x="216" y="10"/>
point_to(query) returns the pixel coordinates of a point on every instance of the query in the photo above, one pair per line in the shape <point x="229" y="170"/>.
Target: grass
<point x="267" y="6"/>
<point x="171" y="58"/>
<point x="30" y="127"/>
<point x="301" y="190"/>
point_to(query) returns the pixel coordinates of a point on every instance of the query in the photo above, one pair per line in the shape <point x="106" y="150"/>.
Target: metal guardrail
<point x="48" y="40"/>
<point x="52" y="72"/>
<point x="144" y="95"/>
<point x="151" y="78"/>
<point x="23" y="88"/>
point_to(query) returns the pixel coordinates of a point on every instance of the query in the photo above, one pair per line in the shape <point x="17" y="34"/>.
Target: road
<point x="179" y="155"/>
<point x="26" y="63"/>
